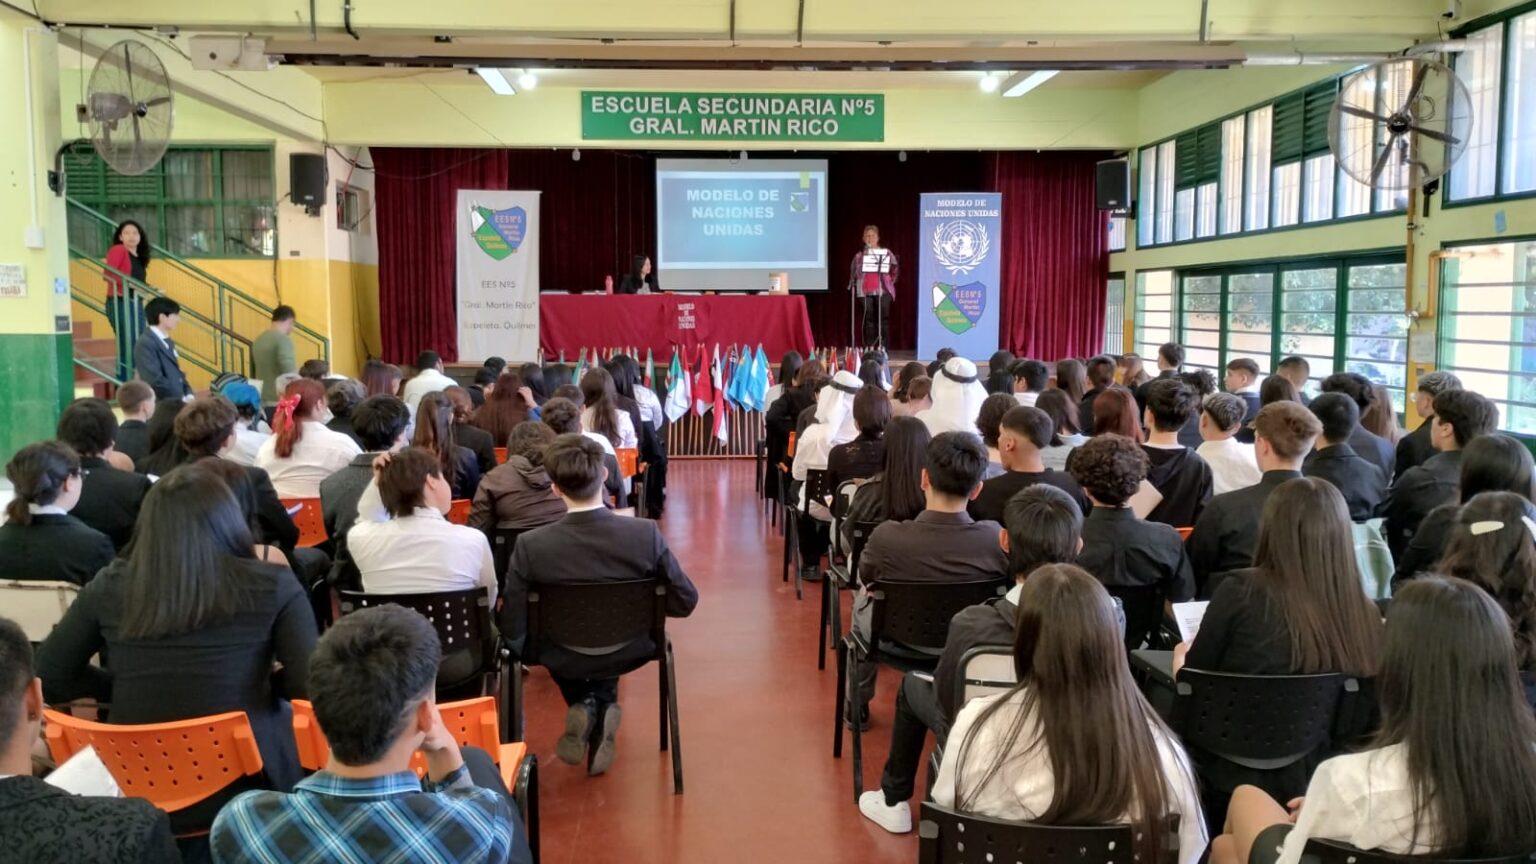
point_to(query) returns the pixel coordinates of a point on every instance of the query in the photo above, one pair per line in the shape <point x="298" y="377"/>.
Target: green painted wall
<point x="37" y="379"/>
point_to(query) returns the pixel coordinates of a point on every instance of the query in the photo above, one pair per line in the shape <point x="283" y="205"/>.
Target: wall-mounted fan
<point x="1400" y="123"/>
<point x="128" y="104"/>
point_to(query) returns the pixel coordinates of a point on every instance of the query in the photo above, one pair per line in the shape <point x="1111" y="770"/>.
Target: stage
<point x="658" y="322"/>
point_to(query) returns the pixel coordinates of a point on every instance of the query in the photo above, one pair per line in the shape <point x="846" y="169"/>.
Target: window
<point x="1309" y="316"/>
<point x="1317" y="194"/>
<point x="1287" y="194"/>
<point x="1184" y="214"/>
<point x="1376" y="328"/>
<point x="1250" y="317"/>
<point x="1200" y="322"/>
<point x="195" y="202"/>
<point x="1164" y="196"/>
<point x="1256" y="196"/>
<point x="1205" y="207"/>
<point x="353" y="209"/>
<point x="1520" y="107"/>
<point x="1114" y="315"/>
<point x="1232" y="175"/>
<point x="1154" y="310"/>
<point x="1117" y="233"/>
<point x="1478" y="67"/>
<point x="1146" y="198"/>
<point x="1488" y="326"/>
<point x="1357" y="140"/>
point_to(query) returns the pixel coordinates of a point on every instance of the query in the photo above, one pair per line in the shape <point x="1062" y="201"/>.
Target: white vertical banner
<point x="497" y="250"/>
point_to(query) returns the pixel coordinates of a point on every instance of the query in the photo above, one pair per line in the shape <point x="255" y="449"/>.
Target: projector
<point x="225" y="53"/>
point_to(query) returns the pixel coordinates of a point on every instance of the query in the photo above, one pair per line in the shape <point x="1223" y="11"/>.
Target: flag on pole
<point x="721" y="428"/>
<point x="650" y="370"/>
<point x="762" y="379"/>
<point x="679" y="393"/>
<point x="703" y="392"/>
<point x="581" y="361"/>
<point x="741" y="378"/>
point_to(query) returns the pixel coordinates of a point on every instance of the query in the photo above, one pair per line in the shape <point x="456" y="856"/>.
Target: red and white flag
<point x="721" y="428"/>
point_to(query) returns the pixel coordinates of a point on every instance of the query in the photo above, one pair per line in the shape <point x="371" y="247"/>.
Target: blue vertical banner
<point x="958" y="273"/>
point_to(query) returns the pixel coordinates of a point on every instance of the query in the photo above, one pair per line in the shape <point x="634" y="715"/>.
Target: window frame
<point x="1504" y="19"/>
<point x="1441" y="316"/>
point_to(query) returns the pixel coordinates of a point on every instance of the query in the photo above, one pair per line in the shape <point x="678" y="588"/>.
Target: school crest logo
<point x="498" y="233"/>
<point x="959" y="307"/>
<point x="961" y="246"/>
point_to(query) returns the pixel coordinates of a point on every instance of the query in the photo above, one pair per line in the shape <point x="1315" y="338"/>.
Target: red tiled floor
<point x="761" y="783"/>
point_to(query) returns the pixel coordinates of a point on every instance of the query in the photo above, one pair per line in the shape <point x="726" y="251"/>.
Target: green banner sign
<point x="629" y="115"/>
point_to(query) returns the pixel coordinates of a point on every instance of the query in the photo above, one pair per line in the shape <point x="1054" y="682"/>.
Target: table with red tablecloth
<point x="570" y="322"/>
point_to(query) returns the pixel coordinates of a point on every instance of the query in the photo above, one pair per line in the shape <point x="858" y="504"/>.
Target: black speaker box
<point x="1112" y="187"/>
<point x="306" y="180"/>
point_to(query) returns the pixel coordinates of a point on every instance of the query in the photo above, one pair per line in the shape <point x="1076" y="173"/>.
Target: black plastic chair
<point x="1143" y="607"/>
<point x="601" y="619"/>
<point x="909" y="624"/>
<point x="1330" y="852"/>
<point x="831" y="588"/>
<point x="503" y="542"/>
<point x="471" y="664"/>
<point x="818" y="488"/>
<point x="788" y="513"/>
<point x="948" y="837"/>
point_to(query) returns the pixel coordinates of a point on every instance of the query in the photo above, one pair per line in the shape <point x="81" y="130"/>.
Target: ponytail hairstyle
<point x="598" y="394"/>
<point x="300" y="399"/>
<point x="434" y="431"/>
<point x="38" y="473"/>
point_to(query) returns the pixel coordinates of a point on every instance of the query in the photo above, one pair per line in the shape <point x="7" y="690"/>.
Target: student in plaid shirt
<point x="372" y="679"/>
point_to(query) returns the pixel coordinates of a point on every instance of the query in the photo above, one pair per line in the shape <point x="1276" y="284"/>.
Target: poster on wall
<point x="960" y="239"/>
<point x="497" y="254"/>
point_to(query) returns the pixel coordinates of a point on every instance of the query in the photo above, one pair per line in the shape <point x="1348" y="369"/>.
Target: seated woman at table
<point x="640" y="279"/>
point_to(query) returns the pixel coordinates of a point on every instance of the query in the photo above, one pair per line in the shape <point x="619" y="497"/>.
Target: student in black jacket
<point x="1460" y="416"/>
<point x="1170" y="359"/>
<point x="1177" y="472"/>
<point x="1140" y="562"/>
<point x="1242" y="380"/>
<point x="109" y="497"/>
<point x="1227" y="532"/>
<point x="1490" y="463"/>
<point x="1363" y="485"/>
<point x="1101" y="377"/>
<point x="1372" y="447"/>
<point x="1204" y="384"/>
<point x="39" y="539"/>
<point x="1298" y="371"/>
<point x="137" y="402"/>
<point x="1022" y="434"/>
<point x="1043" y="526"/>
<point x="1415" y="448"/>
<point x="206" y="429"/>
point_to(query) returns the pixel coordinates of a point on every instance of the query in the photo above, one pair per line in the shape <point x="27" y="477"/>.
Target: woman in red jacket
<point x="128" y="256"/>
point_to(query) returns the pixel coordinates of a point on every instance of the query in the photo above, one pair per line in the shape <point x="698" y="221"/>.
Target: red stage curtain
<point x="1055" y="250"/>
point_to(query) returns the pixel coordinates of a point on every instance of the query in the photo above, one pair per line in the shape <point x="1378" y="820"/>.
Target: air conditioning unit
<point x="230" y="53"/>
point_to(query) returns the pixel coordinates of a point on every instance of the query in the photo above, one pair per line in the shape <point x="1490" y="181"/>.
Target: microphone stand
<point x="853" y="281"/>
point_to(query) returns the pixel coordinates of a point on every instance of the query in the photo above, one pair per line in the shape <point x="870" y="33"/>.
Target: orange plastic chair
<point x="501" y="455"/>
<point x="458" y="514"/>
<point x="171" y="765"/>
<point x="1185" y="532"/>
<point x="789" y="449"/>
<point x="629" y="460"/>
<point x="310" y="520"/>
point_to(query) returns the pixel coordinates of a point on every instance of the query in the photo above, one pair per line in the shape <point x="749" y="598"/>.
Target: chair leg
<point x="526" y="794"/>
<point x="822" y="627"/>
<point x="790" y="542"/>
<point x="858" y="737"/>
<point x="662" y="693"/>
<point x="842" y="688"/>
<point x="512" y="723"/>
<point x="677" y="735"/>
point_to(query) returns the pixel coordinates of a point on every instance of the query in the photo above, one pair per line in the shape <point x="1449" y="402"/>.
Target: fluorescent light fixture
<point x="528" y="80"/>
<point x="496" y="80"/>
<point x="989" y="82"/>
<point x="1023" y="82"/>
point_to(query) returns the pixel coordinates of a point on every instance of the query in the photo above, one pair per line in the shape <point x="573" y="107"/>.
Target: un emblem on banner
<point x="960" y="246"/>
<point x="959" y="307"/>
<point x="498" y="233"/>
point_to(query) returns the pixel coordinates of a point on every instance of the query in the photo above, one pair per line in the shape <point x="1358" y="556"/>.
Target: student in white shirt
<point x="252" y="431"/>
<point x="1064" y="413"/>
<point x="1452" y="773"/>
<point x="1030" y="378"/>
<point x="1075" y="743"/>
<point x="429" y="379"/>
<point x="1233" y="465"/>
<point x="401" y="542"/>
<point x="601" y="413"/>
<point x="303" y="452"/>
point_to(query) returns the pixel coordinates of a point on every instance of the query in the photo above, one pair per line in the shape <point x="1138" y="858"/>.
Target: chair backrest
<point x="501" y="455"/>
<point x="314" y="750"/>
<point x="858" y="538"/>
<point x="462" y="620"/>
<point x="1262" y="722"/>
<point x="789" y="447"/>
<point x="596" y="618"/>
<point x="818" y="486"/>
<point x="916" y="614"/>
<point x="629" y="460"/>
<point x="171" y="765"/>
<point x="946" y="836"/>
<point x="1331" y="852"/>
<point x="36" y="605"/>
<point x="309" y="519"/>
<point x="503" y="542"/>
<point x="1143" y="607"/>
<point x="471" y="722"/>
<point x="985" y="670"/>
<point x="458" y="512"/>
<point x="842" y="499"/>
<point x="1185" y="532"/>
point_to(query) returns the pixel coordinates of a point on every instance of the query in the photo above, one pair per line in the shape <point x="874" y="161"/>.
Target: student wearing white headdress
<point x="834" y="425"/>
<point x="957" y="396"/>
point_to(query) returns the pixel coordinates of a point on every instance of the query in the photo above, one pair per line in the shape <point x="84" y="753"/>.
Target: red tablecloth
<point x="570" y="322"/>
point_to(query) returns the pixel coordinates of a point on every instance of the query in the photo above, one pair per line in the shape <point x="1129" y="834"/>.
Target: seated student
<point x="1115" y="413"/>
<point x="999" y="375"/>
<point x="919" y="396"/>
<point x="834" y="425"/>
<point x="1373" y="448"/>
<point x="506" y="405"/>
<point x="109" y="497"/>
<point x="137" y="402"/>
<point x="896" y="492"/>
<point x="1227" y="533"/>
<point x="1298" y="371"/>
<point x="1277" y="388"/>
<point x="205" y="429"/>
<point x="379" y="422"/>
<point x="341" y="399"/>
<point x="943" y="544"/>
<point x="1042" y="528"/>
<point x="602" y="414"/>
<point x="861" y="458"/>
<point x="1127" y="554"/>
<point x="429" y="378"/>
<point x="1411" y="794"/>
<point x="251" y="430"/>
<point x="303" y="452"/>
<point x="1170" y="359"/>
<point x="189" y="623"/>
<point x="589" y="544"/>
<point x="1101" y="376"/>
<point x="466" y="434"/>
<point x="1178" y="473"/>
<point x="1460" y="417"/>
<point x="518" y="494"/>
<point x="1232" y="462"/>
<point x="401" y="542"/>
<point x="1074" y="743"/>
<point x="1243" y="381"/>
<point x="564" y="417"/>
<point x="989" y="421"/>
<point x="483" y="385"/>
<point x="1030" y="378"/>
<point x="43" y="824"/>
<point x="1381" y="418"/>
<point x="1490" y="463"/>
<point x="1363" y="485"/>
<point x="434" y="433"/>
<point x="239" y="483"/>
<point x="372" y="684"/>
<point x="1415" y="447"/>
<point x="957" y="397"/>
<point x="901" y="386"/>
<point x="1204" y="384"/>
<point x="1023" y="434"/>
<point x="1062" y="410"/>
<point x="39" y="539"/>
<point x="1492" y="545"/>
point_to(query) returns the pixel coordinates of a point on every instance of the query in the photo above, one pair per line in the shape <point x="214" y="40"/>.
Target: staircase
<point x="95" y="361"/>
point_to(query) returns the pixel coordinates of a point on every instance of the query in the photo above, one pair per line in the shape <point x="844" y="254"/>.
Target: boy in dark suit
<point x="1370" y="446"/>
<point x="110" y="497"/>
<point x="1415" y="448"/>
<point x="1243" y="381"/>
<point x="1363" y="485"/>
<point x="137" y="402"/>
<point x="1460" y="416"/>
<point x="1101" y="377"/>
<point x="154" y="355"/>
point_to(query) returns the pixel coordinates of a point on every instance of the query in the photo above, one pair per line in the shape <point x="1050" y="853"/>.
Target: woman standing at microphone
<point x="872" y="278"/>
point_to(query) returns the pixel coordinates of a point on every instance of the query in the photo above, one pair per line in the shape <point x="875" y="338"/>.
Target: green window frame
<point x="1154" y="309"/>
<point x="1487" y="325"/>
<point x="1512" y="97"/>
